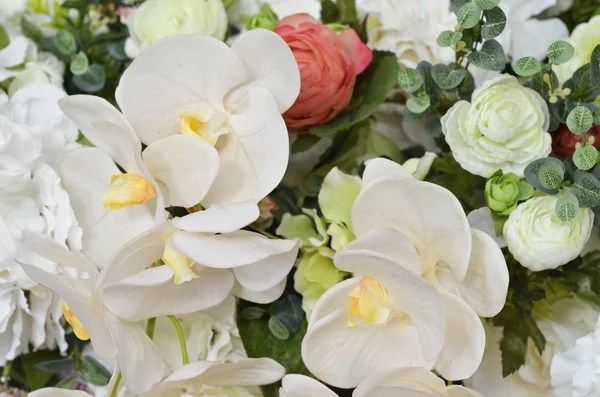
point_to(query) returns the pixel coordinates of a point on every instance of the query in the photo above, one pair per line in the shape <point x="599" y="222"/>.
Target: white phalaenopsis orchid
<point x="426" y="277"/>
<point x="230" y="97"/>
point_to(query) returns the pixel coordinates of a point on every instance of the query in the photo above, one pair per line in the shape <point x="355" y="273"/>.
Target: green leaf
<point x="586" y="188"/>
<point x="418" y="105"/>
<point x="35" y="378"/>
<point x="347" y="12"/>
<point x="429" y="85"/>
<point x="69" y="383"/>
<point x="93" y="80"/>
<point x="580" y="120"/>
<point x="551" y="174"/>
<point x="57" y="366"/>
<point x="252" y="312"/>
<point x="93" y="372"/>
<point x="447" y="77"/>
<point x="597" y="113"/>
<point x="457" y="4"/>
<point x="449" y="38"/>
<point x="595" y="66"/>
<point x="288" y="310"/>
<point x="532" y="172"/>
<point x="79" y="64"/>
<point x="585" y="157"/>
<point x="487" y="4"/>
<point x="31" y="30"/>
<point x="495" y="22"/>
<point x="117" y="50"/>
<point x="468" y="15"/>
<point x="329" y="12"/>
<point x="489" y="57"/>
<point x="304" y="143"/>
<point x="560" y="52"/>
<point x="4" y="39"/>
<point x="79" y="4"/>
<point x="65" y="42"/>
<point x="409" y="79"/>
<point x="527" y="66"/>
<point x="567" y="207"/>
<point x="278" y="330"/>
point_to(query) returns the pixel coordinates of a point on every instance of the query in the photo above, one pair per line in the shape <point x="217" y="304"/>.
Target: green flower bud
<point x="503" y="192"/>
<point x="265" y="19"/>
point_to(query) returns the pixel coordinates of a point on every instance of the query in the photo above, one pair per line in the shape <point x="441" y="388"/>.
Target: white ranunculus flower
<point x="503" y="127"/>
<point x="539" y="240"/>
<point x="571" y="320"/>
<point x="46" y="68"/>
<point x="156" y="19"/>
<point x="585" y="38"/>
<point x="10" y="8"/>
<point x="409" y="29"/>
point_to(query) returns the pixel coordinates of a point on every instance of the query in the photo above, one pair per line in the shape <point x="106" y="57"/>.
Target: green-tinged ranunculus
<point x="315" y="274"/>
<point x="584" y="38"/>
<point x="419" y="166"/>
<point x="309" y="228"/>
<point x="156" y="19"/>
<point x="504" y="127"/>
<point x="265" y="19"/>
<point x="503" y="192"/>
<point x="539" y="240"/>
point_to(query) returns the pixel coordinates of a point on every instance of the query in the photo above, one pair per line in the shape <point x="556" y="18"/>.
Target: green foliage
<point x="567" y="207"/>
<point x="560" y="52"/>
<point x="527" y="66"/>
<point x="93" y="80"/>
<point x="93" y="372"/>
<point x="4" y="39"/>
<point x="57" y="366"/>
<point x="80" y="64"/>
<point x="447" y="77"/>
<point x="580" y="120"/>
<point x="468" y="15"/>
<point x="277" y="329"/>
<point x="586" y="188"/>
<point x="419" y="104"/>
<point x="595" y="66"/>
<point x="264" y="19"/>
<point x="487" y="4"/>
<point x="252" y="313"/>
<point x="489" y="57"/>
<point x="304" y="143"/>
<point x="64" y="42"/>
<point x="551" y="174"/>
<point x="585" y="157"/>
<point x="69" y="383"/>
<point x="409" y="79"/>
<point x="449" y="38"/>
<point x="31" y="30"/>
<point x="495" y="23"/>
<point x="534" y="175"/>
<point x="288" y="310"/>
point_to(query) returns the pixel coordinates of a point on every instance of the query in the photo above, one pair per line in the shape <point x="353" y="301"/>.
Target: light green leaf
<point x="567" y="207"/>
<point x="487" y="4"/>
<point x="595" y="66"/>
<point x="93" y="372"/>
<point x="585" y="157"/>
<point x="532" y="173"/>
<point x="79" y="64"/>
<point x="93" y="80"/>
<point x="449" y="38"/>
<point x="489" y="57"/>
<point x="4" y="39"/>
<point x="448" y="78"/>
<point x="418" y="105"/>
<point x="410" y="79"/>
<point x="587" y="189"/>
<point x="527" y="66"/>
<point x="278" y="330"/>
<point x="468" y="15"/>
<point x="252" y="313"/>
<point x="551" y="175"/>
<point x="296" y="227"/>
<point x="65" y="42"/>
<point x="580" y="120"/>
<point x="337" y="195"/>
<point x="495" y="22"/>
<point x="597" y="113"/>
<point x="31" y="30"/>
<point x="560" y="52"/>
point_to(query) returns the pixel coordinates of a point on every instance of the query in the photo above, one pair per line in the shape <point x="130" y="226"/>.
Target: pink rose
<point x="328" y="65"/>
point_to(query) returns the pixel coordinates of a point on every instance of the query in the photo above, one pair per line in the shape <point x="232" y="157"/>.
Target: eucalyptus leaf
<point x="31" y="30"/>
<point x="419" y="104"/>
<point x="468" y="15"/>
<point x="409" y="79"/>
<point x="93" y="80"/>
<point x="447" y="77"/>
<point x="455" y="5"/>
<point x="551" y="175"/>
<point x="80" y="64"/>
<point x="495" y="23"/>
<point x="69" y="383"/>
<point x="278" y="330"/>
<point x="585" y="157"/>
<point x="489" y="57"/>
<point x="449" y="38"/>
<point x="532" y="172"/>
<point x="595" y="66"/>
<point x="560" y="52"/>
<point x="252" y="313"/>
<point x="487" y="4"/>
<point x="580" y="120"/>
<point x="57" y="366"/>
<point x="586" y="188"/>
<point x="527" y="66"/>
<point x="93" y="372"/>
<point x="117" y="50"/>
<point x="567" y="207"/>
<point x="4" y="38"/>
<point x="597" y="113"/>
<point x="64" y="42"/>
<point x="288" y="310"/>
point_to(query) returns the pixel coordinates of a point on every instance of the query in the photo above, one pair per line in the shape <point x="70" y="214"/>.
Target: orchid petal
<point x="219" y="218"/>
<point x="411" y="378"/>
<point x="260" y="297"/>
<point x="302" y="386"/>
<point x="378" y="168"/>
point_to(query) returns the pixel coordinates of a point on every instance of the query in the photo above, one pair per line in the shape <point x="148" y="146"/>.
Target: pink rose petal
<point x="358" y="51"/>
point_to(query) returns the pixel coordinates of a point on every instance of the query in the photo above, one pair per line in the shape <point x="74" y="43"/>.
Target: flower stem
<point x="150" y="327"/>
<point x="117" y="383"/>
<point x="184" y="353"/>
<point x="266" y="234"/>
<point x="6" y="375"/>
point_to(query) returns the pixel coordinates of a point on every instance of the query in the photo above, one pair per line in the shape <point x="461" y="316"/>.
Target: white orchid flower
<point x="112" y="206"/>
<point x="111" y="336"/>
<point x="55" y="392"/>
<point x="218" y="378"/>
<point x="231" y="98"/>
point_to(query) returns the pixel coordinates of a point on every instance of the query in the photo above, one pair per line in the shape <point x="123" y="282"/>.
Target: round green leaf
<point x="252" y="313"/>
<point x="595" y="66"/>
<point x="495" y="22"/>
<point x="448" y="78"/>
<point x="560" y="52"/>
<point x="468" y="15"/>
<point x="4" y="39"/>
<point x="551" y="175"/>
<point x="278" y="329"/>
<point x="489" y="57"/>
<point x="580" y="120"/>
<point x="79" y="64"/>
<point x="587" y="189"/>
<point x="585" y="157"/>
<point x="65" y="42"/>
<point x="527" y="66"/>
<point x="487" y="4"/>
<point x="449" y="38"/>
<point x="567" y="207"/>
<point x="92" y="80"/>
<point x="418" y="105"/>
<point x="410" y="79"/>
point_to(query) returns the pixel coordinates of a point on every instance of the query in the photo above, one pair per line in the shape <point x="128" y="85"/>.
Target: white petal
<point x="383" y="168"/>
<point x="459" y="391"/>
<point x="270" y="64"/>
<point x="403" y="379"/>
<point x="15" y="52"/>
<point x="343" y="356"/>
<point x="407" y="293"/>
<point x="105" y="127"/>
<point x="185" y="165"/>
<point x="429" y="215"/>
<point x="246" y="372"/>
<point x="261" y="297"/>
<point x="334" y="298"/>
<point x="228" y="250"/>
<point x="54" y="392"/>
<point x="386" y="391"/>
<point x="481" y="219"/>
<point x="486" y="284"/>
<point x="268" y="272"/>
<point x="159" y="85"/>
<point x="392" y="243"/>
<point x="254" y="156"/>
<point x="302" y="386"/>
<point x="540" y="34"/>
<point x="219" y="218"/>
<point x="153" y="293"/>
<point x="465" y="341"/>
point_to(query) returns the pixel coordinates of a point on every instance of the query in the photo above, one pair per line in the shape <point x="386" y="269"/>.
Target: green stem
<point x="266" y="234"/>
<point x="181" y="336"/>
<point x="150" y="327"/>
<point x="117" y="383"/>
<point x="6" y="374"/>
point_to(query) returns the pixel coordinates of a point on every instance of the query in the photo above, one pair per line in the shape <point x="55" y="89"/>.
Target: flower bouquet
<point x="300" y="198"/>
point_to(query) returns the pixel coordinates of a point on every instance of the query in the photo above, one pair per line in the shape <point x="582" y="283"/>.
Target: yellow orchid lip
<point x="78" y="328"/>
<point x="206" y="125"/>
<point x="368" y="302"/>
<point x="181" y="264"/>
<point x="126" y="190"/>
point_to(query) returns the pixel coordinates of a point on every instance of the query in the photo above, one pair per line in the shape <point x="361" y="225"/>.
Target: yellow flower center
<point x="78" y="328"/>
<point x="126" y="190"/>
<point x="181" y="264"/>
<point x="205" y="124"/>
<point x="368" y="302"/>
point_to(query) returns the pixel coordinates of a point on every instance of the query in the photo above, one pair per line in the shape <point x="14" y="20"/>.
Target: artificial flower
<point x="571" y="320"/>
<point x="231" y="98"/>
<point x="564" y="141"/>
<point x="419" y="166"/>
<point x="504" y="127"/>
<point x="328" y="65"/>
<point x="481" y="219"/>
<point x="584" y="38"/>
<point x="409" y="30"/>
<point x="218" y="378"/>
<point x="503" y="192"/>
<point x="283" y="9"/>
<point x="12" y="8"/>
<point x="539" y="240"/>
<point x="44" y="68"/>
<point x="156" y="19"/>
<point x="56" y="392"/>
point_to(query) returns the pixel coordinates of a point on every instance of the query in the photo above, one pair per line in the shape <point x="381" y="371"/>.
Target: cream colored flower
<point x="539" y="240"/>
<point x="504" y="127"/>
<point x="584" y="38"/>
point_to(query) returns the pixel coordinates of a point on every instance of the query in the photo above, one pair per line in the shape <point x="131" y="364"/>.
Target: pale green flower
<point x="309" y="228"/>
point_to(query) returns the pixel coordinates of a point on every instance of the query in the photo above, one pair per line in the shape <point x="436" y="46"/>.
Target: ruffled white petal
<point x="219" y="218"/>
